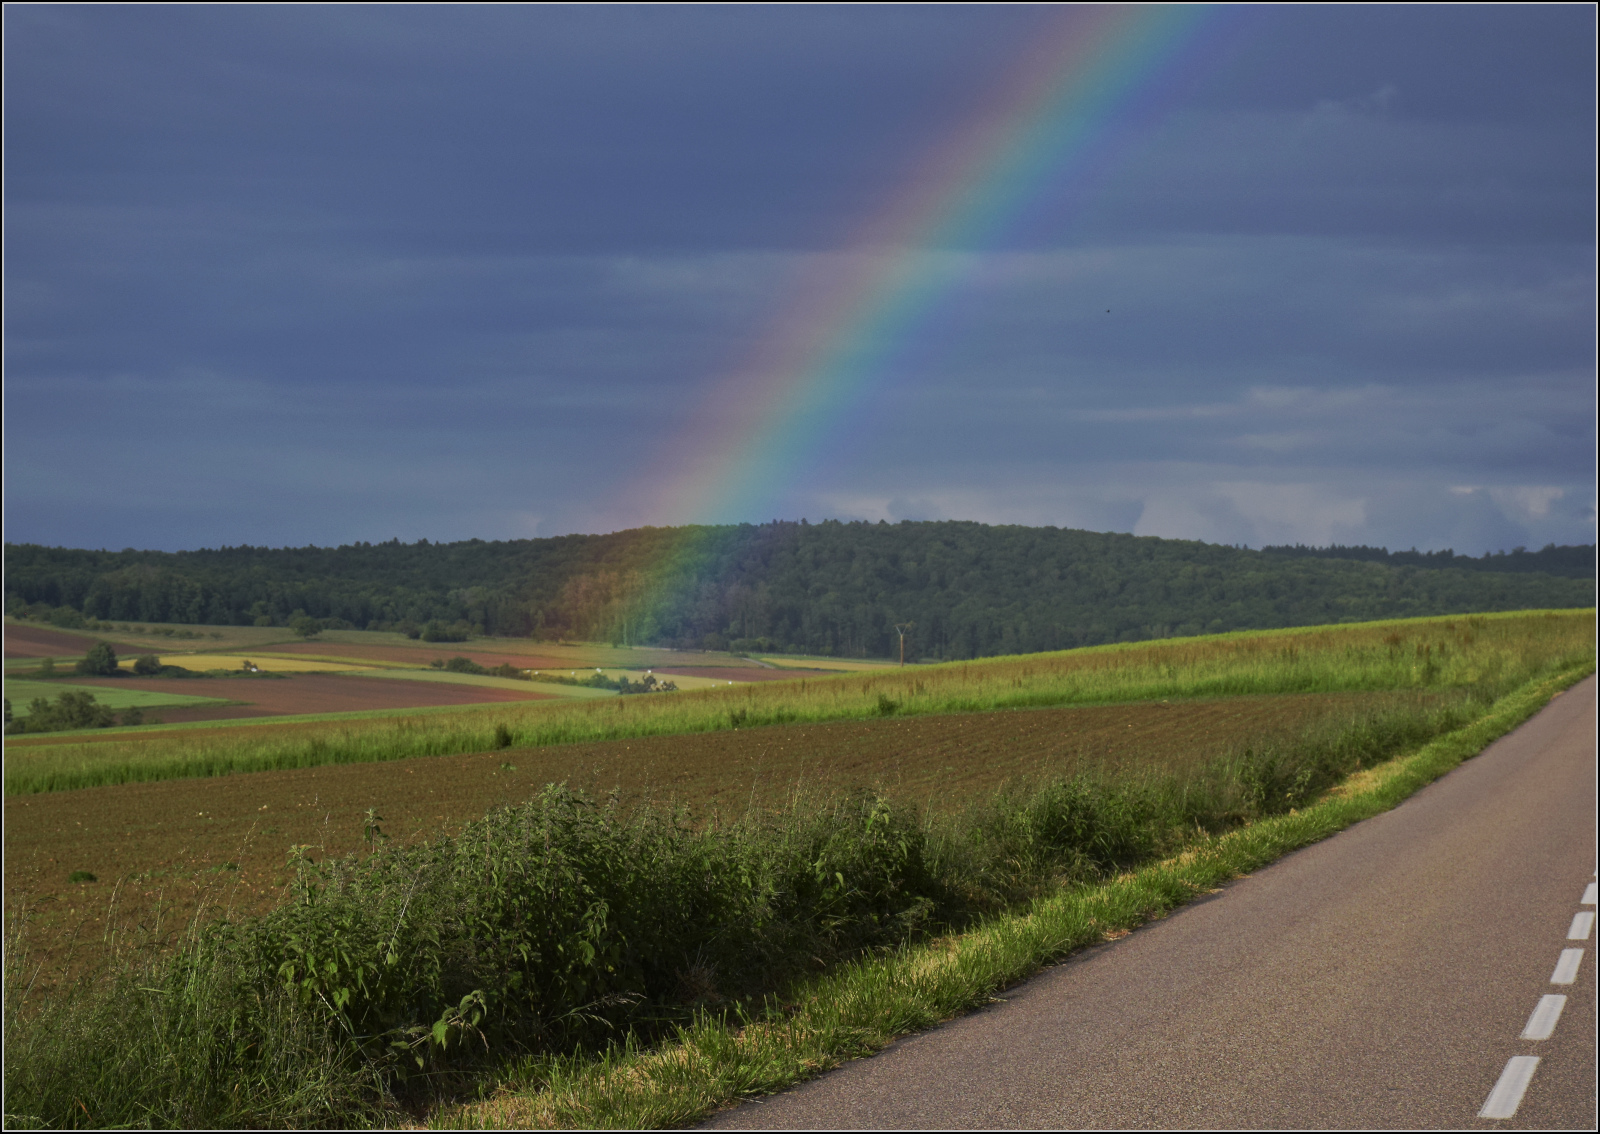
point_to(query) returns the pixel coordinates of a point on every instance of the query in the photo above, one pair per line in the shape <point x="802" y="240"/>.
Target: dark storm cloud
<point x="314" y="274"/>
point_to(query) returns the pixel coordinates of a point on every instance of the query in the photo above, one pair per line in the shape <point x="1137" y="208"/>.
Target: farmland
<point x="174" y="841"/>
<point x="1144" y="746"/>
<point x="1480" y="651"/>
<point x="114" y="695"/>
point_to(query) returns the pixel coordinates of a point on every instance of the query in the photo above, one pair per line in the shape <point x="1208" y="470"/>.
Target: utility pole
<point x="903" y="628"/>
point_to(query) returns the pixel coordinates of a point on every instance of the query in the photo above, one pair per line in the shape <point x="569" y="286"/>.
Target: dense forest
<point x="1568" y="562"/>
<point x="970" y="590"/>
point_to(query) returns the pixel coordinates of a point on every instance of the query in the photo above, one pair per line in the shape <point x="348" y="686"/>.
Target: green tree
<point x="304" y="625"/>
<point x="71" y="710"/>
<point x="101" y="661"/>
<point x="146" y="665"/>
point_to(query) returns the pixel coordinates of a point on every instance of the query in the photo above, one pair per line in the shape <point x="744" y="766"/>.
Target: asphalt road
<point x="1381" y="978"/>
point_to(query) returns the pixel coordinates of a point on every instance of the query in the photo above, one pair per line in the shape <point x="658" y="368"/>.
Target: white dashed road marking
<point x="1507" y="1094"/>
<point x="1567" y="967"/>
<point x="1543" y="1020"/>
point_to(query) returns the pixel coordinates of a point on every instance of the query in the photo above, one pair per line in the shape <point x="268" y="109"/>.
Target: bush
<point x="70" y="710"/>
<point x="101" y="661"/>
<point x="436" y="631"/>
<point x="67" y="618"/>
<point x="752" y="645"/>
<point x="146" y="665"/>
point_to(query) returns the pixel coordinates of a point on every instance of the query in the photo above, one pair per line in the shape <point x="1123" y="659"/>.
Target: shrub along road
<point x="1381" y="978"/>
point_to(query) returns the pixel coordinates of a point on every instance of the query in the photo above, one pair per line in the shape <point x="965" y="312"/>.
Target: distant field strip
<point x="445" y="677"/>
<point x="1485" y="653"/>
<point x="267" y="663"/>
<point x="19" y="693"/>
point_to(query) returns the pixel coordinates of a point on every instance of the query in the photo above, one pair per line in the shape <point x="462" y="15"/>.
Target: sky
<point x="289" y="275"/>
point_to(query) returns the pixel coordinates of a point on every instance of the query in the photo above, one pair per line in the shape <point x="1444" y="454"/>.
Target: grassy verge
<point x="1483" y="652"/>
<point x="862" y="1006"/>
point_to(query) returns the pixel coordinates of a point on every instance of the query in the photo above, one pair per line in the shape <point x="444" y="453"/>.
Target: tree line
<point x="968" y="589"/>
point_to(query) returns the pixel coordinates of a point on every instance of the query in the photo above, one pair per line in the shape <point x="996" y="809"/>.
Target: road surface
<point x="1385" y="977"/>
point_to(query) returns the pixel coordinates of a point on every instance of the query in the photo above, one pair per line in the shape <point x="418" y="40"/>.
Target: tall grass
<point x="567" y="925"/>
<point x="1488" y="653"/>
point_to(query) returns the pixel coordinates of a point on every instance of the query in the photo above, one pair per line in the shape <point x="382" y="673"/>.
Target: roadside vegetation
<point x="601" y="960"/>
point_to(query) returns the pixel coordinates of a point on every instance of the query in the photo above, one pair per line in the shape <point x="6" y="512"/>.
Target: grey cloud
<point x="354" y="273"/>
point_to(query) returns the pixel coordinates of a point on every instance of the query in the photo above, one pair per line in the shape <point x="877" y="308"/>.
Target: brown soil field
<point x="310" y="693"/>
<point x="37" y="642"/>
<point x="171" y="841"/>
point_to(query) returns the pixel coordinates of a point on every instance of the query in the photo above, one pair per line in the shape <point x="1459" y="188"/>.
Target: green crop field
<point x="21" y="691"/>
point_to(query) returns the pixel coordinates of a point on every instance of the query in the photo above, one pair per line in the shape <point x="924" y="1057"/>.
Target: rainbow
<point x="1064" y="110"/>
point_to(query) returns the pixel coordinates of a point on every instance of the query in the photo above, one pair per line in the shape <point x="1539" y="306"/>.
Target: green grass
<point x="22" y="692"/>
<point x="1485" y="652"/>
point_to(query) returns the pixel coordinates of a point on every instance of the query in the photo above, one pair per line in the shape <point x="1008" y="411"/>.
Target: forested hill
<point x="970" y="589"/>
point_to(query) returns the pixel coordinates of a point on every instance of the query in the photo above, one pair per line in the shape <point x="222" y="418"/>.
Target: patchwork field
<point x="1475" y="652"/>
<point x="173" y="842"/>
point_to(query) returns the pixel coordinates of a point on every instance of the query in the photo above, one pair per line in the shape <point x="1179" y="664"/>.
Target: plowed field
<point x="176" y="837"/>
<point x="310" y="693"/>
<point x="37" y="642"/>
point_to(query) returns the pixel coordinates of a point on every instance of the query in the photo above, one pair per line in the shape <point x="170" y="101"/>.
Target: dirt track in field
<point x="309" y="693"/>
<point x="179" y="834"/>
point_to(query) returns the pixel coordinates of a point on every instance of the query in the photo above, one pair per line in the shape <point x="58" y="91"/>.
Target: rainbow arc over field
<point x="1086" y="84"/>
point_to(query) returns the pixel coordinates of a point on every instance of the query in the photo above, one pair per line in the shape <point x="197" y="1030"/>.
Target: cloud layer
<point x="313" y="275"/>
